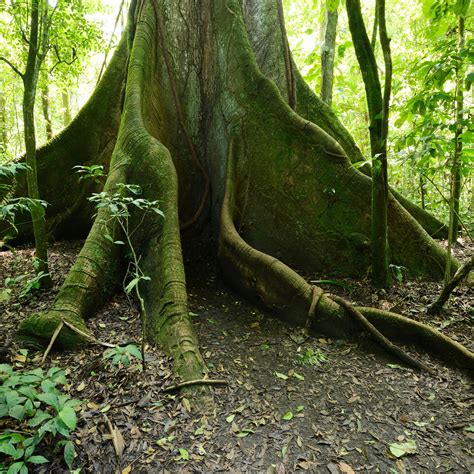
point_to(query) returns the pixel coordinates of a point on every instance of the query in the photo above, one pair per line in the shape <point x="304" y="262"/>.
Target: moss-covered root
<point x="433" y="341"/>
<point x="164" y="295"/>
<point x="282" y="290"/>
<point x="90" y="281"/>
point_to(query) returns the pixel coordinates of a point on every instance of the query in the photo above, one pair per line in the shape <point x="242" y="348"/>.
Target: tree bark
<point x="205" y="127"/>
<point x="66" y="108"/>
<point x="3" y="123"/>
<point x="459" y="276"/>
<point x="46" y="111"/>
<point x="378" y="129"/>
<point x="328" y="51"/>
<point x="30" y="81"/>
<point x="458" y="142"/>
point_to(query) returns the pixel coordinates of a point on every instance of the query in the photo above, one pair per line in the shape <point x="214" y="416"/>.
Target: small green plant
<point x="119" y="205"/>
<point x="311" y="357"/>
<point x="28" y="284"/>
<point x="34" y="412"/>
<point x="10" y="207"/>
<point x="397" y="272"/>
<point x="122" y="356"/>
<point x="93" y="173"/>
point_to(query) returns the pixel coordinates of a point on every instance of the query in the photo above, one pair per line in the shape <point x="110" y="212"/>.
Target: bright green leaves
<point x="122" y="355"/>
<point x="41" y="411"/>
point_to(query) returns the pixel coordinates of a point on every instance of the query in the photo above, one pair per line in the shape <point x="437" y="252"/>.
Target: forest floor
<point x="290" y="404"/>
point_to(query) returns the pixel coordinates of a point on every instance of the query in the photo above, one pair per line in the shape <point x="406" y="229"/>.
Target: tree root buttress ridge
<point x="281" y="289"/>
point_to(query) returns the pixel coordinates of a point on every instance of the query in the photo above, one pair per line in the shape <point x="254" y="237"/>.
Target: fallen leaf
<point x="345" y="468"/>
<point x="401" y="449"/>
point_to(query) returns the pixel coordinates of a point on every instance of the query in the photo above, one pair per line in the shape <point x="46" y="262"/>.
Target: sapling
<point x="119" y="205"/>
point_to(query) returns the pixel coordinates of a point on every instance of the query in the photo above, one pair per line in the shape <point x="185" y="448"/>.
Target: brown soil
<point x="345" y="411"/>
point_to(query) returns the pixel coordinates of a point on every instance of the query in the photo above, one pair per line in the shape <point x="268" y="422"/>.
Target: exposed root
<point x="282" y="290"/>
<point x="460" y="275"/>
<point x="379" y="337"/>
<point x="191" y="383"/>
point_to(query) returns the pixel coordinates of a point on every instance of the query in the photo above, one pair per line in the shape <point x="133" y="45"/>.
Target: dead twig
<point x="51" y="342"/>
<point x="87" y="336"/>
<point x="189" y="383"/>
<point x="380" y="338"/>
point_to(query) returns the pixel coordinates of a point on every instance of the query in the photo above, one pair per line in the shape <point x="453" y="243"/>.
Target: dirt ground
<point x="290" y="403"/>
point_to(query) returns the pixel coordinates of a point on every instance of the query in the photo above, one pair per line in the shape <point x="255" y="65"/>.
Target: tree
<point x="37" y="47"/>
<point x="206" y="130"/>
<point x="378" y="106"/>
<point x="328" y="50"/>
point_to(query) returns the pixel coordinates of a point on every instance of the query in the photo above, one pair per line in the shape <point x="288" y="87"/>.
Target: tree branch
<point x="14" y="68"/>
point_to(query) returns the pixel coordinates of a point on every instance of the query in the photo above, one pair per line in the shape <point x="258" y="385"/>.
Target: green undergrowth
<point x="37" y="416"/>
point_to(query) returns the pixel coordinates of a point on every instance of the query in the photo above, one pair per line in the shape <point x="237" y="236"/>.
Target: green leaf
<point x="69" y="453"/>
<point x="6" y="368"/>
<point x="287" y="416"/>
<point x="469" y="428"/>
<point x="37" y="460"/>
<point x="134" y="351"/>
<point x="8" y="449"/>
<point x="39" y="418"/>
<point x="50" y="399"/>
<point x="183" y="454"/>
<point x="132" y="285"/>
<point x="281" y="376"/>
<point x="230" y="418"/>
<point x="16" y="467"/>
<point x="17" y="412"/>
<point x="298" y="376"/>
<point x="68" y="416"/>
<point x="401" y="449"/>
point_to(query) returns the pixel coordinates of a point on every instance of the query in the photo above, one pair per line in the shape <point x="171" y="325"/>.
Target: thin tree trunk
<point x="46" y="111"/>
<point x="328" y="53"/>
<point x="381" y="209"/>
<point x="378" y="129"/>
<point x="455" y="181"/>
<point x="459" y="276"/>
<point x="30" y="81"/>
<point x="373" y="41"/>
<point x="66" y="109"/>
<point x="456" y="171"/>
<point x="422" y="191"/>
<point x="3" y="123"/>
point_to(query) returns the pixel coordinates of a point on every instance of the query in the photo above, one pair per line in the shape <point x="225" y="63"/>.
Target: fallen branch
<point x="87" y="336"/>
<point x="51" y="342"/>
<point x="189" y="383"/>
<point x="379" y="337"/>
<point x="459" y="276"/>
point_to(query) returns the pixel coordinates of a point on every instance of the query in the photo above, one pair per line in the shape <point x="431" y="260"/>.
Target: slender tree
<point x="45" y="104"/>
<point x="455" y="178"/>
<point x="328" y="49"/>
<point x="37" y="46"/>
<point x="378" y="107"/>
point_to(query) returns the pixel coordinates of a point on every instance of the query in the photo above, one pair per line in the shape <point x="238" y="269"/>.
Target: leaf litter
<point x="357" y="411"/>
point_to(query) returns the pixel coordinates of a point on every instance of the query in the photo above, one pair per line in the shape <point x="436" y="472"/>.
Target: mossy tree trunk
<point x="194" y="108"/>
<point x="37" y="44"/>
<point x="378" y="107"/>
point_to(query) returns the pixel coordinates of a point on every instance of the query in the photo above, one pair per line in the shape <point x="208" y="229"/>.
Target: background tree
<point x="328" y="49"/>
<point x="36" y="37"/>
<point x="378" y="106"/>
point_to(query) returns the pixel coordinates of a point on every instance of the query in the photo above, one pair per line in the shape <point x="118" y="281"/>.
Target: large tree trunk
<point x="204" y="126"/>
